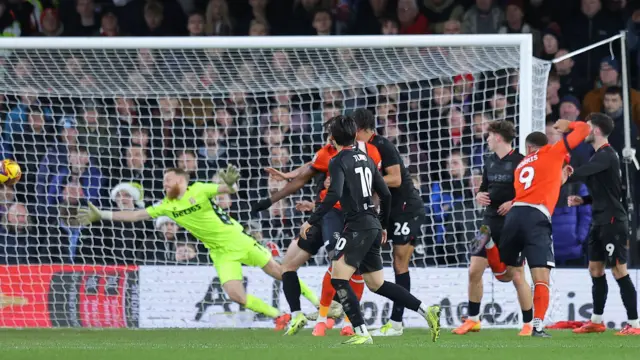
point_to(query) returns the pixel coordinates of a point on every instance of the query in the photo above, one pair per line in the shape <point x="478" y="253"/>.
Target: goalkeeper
<point x="192" y="207"/>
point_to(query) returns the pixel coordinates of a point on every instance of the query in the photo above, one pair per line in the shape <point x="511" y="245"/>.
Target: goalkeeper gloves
<point x="230" y="175"/>
<point x="91" y="214"/>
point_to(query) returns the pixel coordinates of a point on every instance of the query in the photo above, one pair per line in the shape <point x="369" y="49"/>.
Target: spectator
<point x="51" y="24"/>
<point x="369" y="15"/>
<point x="589" y="26"/>
<point x="571" y="82"/>
<point x="136" y="167"/>
<point x="81" y="173"/>
<point x="610" y="76"/>
<point x="452" y="27"/>
<point x="182" y="249"/>
<point x="551" y="42"/>
<point x="463" y="91"/>
<point x="439" y="12"/>
<point x="188" y="161"/>
<point x="18" y="114"/>
<point x="109" y="24"/>
<point x="515" y="24"/>
<point x="86" y="21"/>
<point x="262" y="12"/>
<point x="154" y="20"/>
<point x="9" y="24"/>
<point x="478" y="144"/>
<point x="633" y="39"/>
<point x="390" y="27"/>
<point x="16" y="244"/>
<point x="258" y="28"/>
<point x="323" y="23"/>
<point x="570" y="224"/>
<point x="218" y="20"/>
<point x="569" y="108"/>
<point x="7" y="198"/>
<point x="482" y="18"/>
<point x="411" y="21"/>
<point x="196" y="24"/>
<point x="214" y="153"/>
<point x="613" y="106"/>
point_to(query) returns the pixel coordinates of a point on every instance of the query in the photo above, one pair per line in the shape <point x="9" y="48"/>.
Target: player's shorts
<point x="327" y="233"/>
<point x="495" y="223"/>
<point x="608" y="243"/>
<point x="405" y="227"/>
<point x="527" y="233"/>
<point x="229" y="264"/>
<point x="361" y="249"/>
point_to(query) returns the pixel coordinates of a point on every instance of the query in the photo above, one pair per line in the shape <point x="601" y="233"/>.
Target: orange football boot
<point x="628" y="331"/>
<point x="468" y="326"/>
<point x="527" y="330"/>
<point x="320" y="329"/>
<point x="590" y="327"/>
<point x="347" y="331"/>
<point x="330" y="323"/>
<point x="282" y="321"/>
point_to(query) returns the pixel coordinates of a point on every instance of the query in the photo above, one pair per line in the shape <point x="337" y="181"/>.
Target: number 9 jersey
<point x="538" y="177"/>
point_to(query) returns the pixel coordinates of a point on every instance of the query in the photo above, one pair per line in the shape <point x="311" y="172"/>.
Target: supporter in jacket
<point x="440" y="11"/>
<point x="482" y="18"/>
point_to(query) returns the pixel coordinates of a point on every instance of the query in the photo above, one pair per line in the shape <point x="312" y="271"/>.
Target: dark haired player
<point x="407" y="211"/>
<point x="193" y="208"/>
<point x="527" y="226"/>
<point x="496" y="193"/>
<point x="609" y="230"/>
<point x="354" y="180"/>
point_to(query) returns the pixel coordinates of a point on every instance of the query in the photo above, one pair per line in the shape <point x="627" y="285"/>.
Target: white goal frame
<point x="523" y="41"/>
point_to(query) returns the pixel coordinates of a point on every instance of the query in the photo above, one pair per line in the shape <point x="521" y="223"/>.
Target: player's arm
<point x="600" y="162"/>
<point x="391" y="164"/>
<point x="384" y="195"/>
<point x="334" y="193"/>
<point x="92" y="214"/>
<point x="482" y="197"/>
<point x="292" y="187"/>
<point x="579" y="132"/>
<point x="279" y="175"/>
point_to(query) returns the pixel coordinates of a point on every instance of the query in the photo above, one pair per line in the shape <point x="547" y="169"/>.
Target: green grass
<point x="268" y="345"/>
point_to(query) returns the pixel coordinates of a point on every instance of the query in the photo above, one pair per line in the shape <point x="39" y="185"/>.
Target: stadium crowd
<point x="111" y="150"/>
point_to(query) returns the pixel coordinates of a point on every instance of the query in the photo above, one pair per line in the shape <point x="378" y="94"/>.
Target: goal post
<point x="97" y="119"/>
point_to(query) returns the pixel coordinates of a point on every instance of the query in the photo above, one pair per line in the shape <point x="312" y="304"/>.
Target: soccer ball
<point x="10" y="172"/>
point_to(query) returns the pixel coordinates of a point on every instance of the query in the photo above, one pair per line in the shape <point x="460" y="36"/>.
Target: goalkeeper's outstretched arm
<point x="92" y="214"/>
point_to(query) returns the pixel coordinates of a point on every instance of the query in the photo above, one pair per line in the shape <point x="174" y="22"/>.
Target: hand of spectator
<point x="562" y="125"/>
<point x="635" y="17"/>
<point x="88" y="215"/>
<point x="304" y="229"/>
<point x="230" y="175"/>
<point x="504" y="208"/>
<point x="305" y="206"/>
<point x="483" y="198"/>
<point x="279" y="175"/>
<point x="574" y="200"/>
<point x="384" y="237"/>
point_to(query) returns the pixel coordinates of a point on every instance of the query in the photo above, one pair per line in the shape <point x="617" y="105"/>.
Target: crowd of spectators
<point x="111" y="149"/>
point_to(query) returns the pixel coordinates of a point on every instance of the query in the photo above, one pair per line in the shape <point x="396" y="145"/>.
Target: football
<point x="10" y="172"/>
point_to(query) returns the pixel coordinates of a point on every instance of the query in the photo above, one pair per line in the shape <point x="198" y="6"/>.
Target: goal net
<point x="91" y="124"/>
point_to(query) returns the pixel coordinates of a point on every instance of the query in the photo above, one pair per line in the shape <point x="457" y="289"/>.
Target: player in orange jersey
<point x="300" y="251"/>
<point x="527" y="227"/>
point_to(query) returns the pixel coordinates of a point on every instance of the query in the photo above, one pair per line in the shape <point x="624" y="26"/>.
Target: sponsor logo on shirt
<point x="191" y="210"/>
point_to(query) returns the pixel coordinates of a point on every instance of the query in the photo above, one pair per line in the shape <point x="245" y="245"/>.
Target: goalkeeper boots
<point x="433" y="319"/>
<point x="297" y="323"/>
<point x="359" y="340"/>
<point x="467" y="326"/>
<point x="590" y="327"/>
<point x="389" y="329"/>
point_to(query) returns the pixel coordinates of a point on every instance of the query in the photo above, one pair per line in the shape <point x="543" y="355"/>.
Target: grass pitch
<point x="269" y="345"/>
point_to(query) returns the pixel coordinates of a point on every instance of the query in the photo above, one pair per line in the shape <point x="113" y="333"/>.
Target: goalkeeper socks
<point x="629" y="298"/>
<point x="404" y="281"/>
<point x="474" y="311"/>
<point x="357" y="284"/>
<point x="349" y="303"/>
<point x="399" y="295"/>
<point x="257" y="305"/>
<point x="308" y="293"/>
<point x="540" y="303"/>
<point x="291" y="288"/>
<point x="493" y="257"/>
<point x="599" y="291"/>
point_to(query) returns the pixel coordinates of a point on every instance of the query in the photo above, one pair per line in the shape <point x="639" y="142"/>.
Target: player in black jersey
<point x="407" y="211"/>
<point x="496" y="193"/>
<point x="608" y="235"/>
<point x="354" y="180"/>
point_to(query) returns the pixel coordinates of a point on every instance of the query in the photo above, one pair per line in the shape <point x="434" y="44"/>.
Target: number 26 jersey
<point x="538" y="177"/>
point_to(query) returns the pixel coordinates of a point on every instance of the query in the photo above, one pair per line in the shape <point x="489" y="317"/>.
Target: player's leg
<point x="476" y="268"/>
<point x="403" y="231"/>
<point x="523" y="289"/>
<point x="342" y="270"/>
<point x="599" y="286"/>
<point x="616" y="252"/>
<point x="371" y="268"/>
<point x="504" y="256"/>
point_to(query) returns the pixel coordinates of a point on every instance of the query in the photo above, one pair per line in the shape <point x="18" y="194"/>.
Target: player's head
<point x="175" y="182"/>
<point x="501" y="133"/>
<point x="365" y="122"/>
<point x="535" y="141"/>
<point x="601" y="127"/>
<point x="342" y="131"/>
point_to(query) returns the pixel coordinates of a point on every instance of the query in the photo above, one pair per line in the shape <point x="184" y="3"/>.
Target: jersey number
<point x="341" y="243"/>
<point x="401" y="229"/>
<point x="610" y="249"/>
<point x="366" y="178"/>
<point x="526" y="176"/>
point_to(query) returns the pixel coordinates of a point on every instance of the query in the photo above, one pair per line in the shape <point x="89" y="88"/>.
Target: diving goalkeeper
<point x="193" y="208"/>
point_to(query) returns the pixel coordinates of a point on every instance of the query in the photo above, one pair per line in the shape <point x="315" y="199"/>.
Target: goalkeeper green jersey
<point x="203" y="218"/>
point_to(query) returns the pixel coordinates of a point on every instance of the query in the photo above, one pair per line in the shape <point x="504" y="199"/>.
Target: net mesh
<point x="101" y="125"/>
